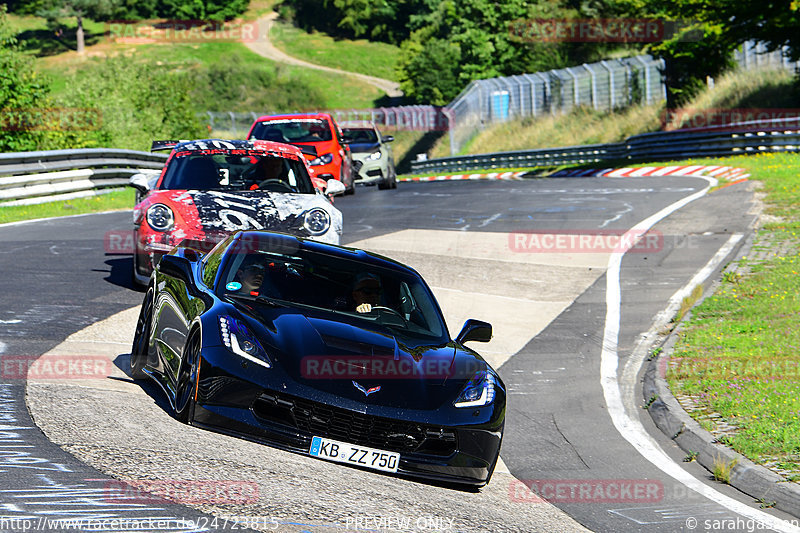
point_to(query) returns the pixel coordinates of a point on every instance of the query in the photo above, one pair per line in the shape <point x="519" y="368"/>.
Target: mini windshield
<point x="306" y="279"/>
<point x="360" y="135"/>
<point x="237" y="170"/>
<point x="295" y="130"/>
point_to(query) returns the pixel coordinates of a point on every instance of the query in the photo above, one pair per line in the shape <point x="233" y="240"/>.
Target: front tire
<point x="141" y="339"/>
<point x="187" y="379"/>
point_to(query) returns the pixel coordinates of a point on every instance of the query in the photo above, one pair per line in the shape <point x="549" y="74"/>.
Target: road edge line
<point x="632" y="429"/>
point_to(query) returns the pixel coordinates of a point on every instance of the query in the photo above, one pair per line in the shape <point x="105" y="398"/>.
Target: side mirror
<point x="176" y="266"/>
<point x="475" y="330"/>
<point x="140" y="182"/>
<point x="388" y="138"/>
<point x="334" y="187"/>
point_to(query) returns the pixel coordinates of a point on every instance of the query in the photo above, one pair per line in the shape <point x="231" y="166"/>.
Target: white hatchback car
<point x="373" y="161"/>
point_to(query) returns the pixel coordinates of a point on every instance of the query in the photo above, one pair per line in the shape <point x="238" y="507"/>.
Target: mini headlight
<point x="241" y="341"/>
<point x="316" y="221"/>
<point x="374" y="156"/>
<point x="478" y="392"/>
<point x="324" y="159"/>
<point x="160" y="217"/>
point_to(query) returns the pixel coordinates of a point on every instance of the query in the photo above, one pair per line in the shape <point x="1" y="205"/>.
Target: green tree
<point x="776" y="22"/>
<point x="137" y="102"/>
<point x="79" y="9"/>
<point x="23" y="95"/>
<point x="429" y="72"/>
<point x="216" y="10"/>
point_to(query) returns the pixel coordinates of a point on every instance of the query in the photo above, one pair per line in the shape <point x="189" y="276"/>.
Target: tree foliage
<point x="212" y="10"/>
<point x="445" y="44"/>
<point x="136" y="102"/>
<point x="23" y="94"/>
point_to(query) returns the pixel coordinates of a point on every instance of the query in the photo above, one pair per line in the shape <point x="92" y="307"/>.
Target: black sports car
<point x="323" y="350"/>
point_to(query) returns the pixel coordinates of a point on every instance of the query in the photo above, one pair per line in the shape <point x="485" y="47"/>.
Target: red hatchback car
<point x="320" y="138"/>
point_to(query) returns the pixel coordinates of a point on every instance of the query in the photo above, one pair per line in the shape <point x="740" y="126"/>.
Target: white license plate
<point x="343" y="452"/>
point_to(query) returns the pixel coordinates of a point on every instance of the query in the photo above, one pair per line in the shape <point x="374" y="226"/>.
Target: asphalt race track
<point x="549" y="304"/>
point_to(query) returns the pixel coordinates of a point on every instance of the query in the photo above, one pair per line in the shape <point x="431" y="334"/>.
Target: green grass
<point x="366" y="57"/>
<point x="36" y="38"/>
<point x="738" y="353"/>
<point x="333" y="91"/>
<point x="122" y="199"/>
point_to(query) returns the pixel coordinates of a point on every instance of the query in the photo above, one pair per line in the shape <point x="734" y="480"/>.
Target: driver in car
<point x="267" y="168"/>
<point x="367" y="292"/>
<point x="250" y="274"/>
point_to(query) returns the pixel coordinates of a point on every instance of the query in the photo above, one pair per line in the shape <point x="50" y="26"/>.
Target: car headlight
<point x="316" y="221"/>
<point x="478" y="392"/>
<point x="238" y="338"/>
<point x="374" y="156"/>
<point x="160" y="217"/>
<point x="324" y="159"/>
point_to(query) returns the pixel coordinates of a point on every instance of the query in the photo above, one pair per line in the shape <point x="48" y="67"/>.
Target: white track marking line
<point x="631" y="429"/>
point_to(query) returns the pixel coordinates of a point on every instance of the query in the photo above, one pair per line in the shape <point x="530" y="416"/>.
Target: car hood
<point x="365" y="363"/>
<point x="364" y="147"/>
<point x="220" y="212"/>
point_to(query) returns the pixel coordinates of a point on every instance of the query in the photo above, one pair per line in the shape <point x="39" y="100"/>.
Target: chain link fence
<point x="754" y="55"/>
<point x="604" y="85"/>
<point x="407" y="118"/>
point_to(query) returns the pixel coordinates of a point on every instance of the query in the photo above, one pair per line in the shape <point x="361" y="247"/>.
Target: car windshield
<point x="274" y="275"/>
<point x="237" y="170"/>
<point x="359" y="135"/>
<point x="295" y="130"/>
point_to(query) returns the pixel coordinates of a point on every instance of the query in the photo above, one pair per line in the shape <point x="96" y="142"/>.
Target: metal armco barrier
<point x="745" y="138"/>
<point x="35" y="177"/>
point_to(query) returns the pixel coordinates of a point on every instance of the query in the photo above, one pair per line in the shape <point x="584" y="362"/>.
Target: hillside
<point x="774" y="89"/>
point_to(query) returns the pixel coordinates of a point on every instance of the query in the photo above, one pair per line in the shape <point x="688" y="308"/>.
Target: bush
<point x="235" y="86"/>
<point x="138" y="102"/>
<point x="23" y="94"/>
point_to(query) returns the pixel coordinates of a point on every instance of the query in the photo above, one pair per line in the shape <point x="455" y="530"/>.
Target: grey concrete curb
<point x="752" y="479"/>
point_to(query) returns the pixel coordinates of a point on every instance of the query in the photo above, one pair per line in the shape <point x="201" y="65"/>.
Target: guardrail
<point x="746" y="138"/>
<point x="35" y="177"/>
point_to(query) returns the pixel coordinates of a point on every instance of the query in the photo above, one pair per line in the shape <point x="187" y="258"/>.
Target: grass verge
<point x="121" y="199"/>
<point x="736" y="362"/>
<point x="362" y="56"/>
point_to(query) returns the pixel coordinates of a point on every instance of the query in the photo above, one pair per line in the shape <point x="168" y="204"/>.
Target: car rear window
<point x="290" y="131"/>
